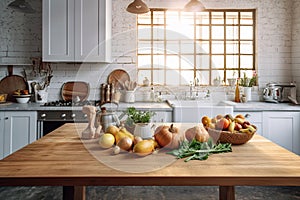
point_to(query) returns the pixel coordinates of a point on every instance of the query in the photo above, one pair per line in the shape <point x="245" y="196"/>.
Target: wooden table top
<point x="61" y="158"/>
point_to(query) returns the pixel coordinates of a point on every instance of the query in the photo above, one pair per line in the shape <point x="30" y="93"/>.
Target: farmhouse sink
<point x="191" y="111"/>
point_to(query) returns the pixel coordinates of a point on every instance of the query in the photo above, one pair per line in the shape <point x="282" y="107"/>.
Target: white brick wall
<point x="277" y="59"/>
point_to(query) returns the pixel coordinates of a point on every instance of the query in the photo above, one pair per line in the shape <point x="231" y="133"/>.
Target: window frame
<point x="225" y="69"/>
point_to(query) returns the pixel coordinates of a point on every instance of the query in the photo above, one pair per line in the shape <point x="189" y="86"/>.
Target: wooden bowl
<point x="229" y="137"/>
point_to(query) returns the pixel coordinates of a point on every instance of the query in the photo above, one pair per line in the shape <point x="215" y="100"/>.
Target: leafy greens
<point x="195" y="150"/>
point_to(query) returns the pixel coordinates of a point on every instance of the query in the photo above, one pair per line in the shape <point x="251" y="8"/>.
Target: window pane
<point x="202" y="62"/>
<point x="158" y="33"/>
<point x="232" y="47"/>
<point x="144" y="47"/>
<point x="144" y="18"/>
<point x="202" y="32"/>
<point x="158" y="47"/>
<point x="187" y="77"/>
<point x="158" y="77"/>
<point x="217" y="32"/>
<point x="142" y="74"/>
<point x="187" y="47"/>
<point x="172" y="62"/>
<point x="217" y="18"/>
<point x="144" y="32"/>
<point x="158" y="61"/>
<point x="217" y="47"/>
<point x="232" y="61"/>
<point x="246" y="32"/>
<point x="187" y="18"/>
<point x="202" y="47"/>
<point x="172" y="77"/>
<point x="187" y="62"/>
<point x="144" y="61"/>
<point x="218" y="74"/>
<point x="173" y="47"/>
<point x="232" y="17"/>
<point x="202" y="18"/>
<point x="158" y="17"/>
<point x="217" y="61"/>
<point x="247" y="62"/>
<point x="172" y="17"/>
<point x="232" y="32"/>
<point x="246" y="47"/>
<point x="246" y="18"/>
<point x="203" y="77"/>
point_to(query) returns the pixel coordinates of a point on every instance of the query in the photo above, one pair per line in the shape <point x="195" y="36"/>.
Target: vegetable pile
<point x="196" y="150"/>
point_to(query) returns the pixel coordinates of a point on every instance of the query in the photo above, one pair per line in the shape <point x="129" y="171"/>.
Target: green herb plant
<point x="195" y="150"/>
<point x="137" y="116"/>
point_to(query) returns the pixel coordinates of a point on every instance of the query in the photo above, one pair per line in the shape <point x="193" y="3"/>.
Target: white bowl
<point x="22" y="98"/>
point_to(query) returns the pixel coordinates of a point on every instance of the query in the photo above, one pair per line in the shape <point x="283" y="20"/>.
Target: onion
<point x="125" y="143"/>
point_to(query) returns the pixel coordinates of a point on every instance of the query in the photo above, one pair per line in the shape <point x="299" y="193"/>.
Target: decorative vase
<point x="247" y="93"/>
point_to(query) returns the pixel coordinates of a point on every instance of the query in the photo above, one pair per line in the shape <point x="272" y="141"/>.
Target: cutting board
<point x="70" y="90"/>
<point x="118" y="77"/>
<point x="11" y="83"/>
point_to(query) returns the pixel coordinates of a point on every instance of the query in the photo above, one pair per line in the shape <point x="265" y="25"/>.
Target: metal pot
<point x="107" y="118"/>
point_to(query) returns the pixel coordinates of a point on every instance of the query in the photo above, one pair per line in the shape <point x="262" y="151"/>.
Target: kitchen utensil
<point x="73" y="89"/>
<point x="11" y="83"/>
<point x="118" y="78"/>
<point x="107" y="118"/>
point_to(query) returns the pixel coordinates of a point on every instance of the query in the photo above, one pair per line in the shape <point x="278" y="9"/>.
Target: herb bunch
<point x="137" y="116"/>
<point x="195" y="150"/>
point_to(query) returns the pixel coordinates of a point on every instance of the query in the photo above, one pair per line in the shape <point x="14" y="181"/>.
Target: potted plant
<point x="247" y="83"/>
<point x="139" y="122"/>
<point x="232" y="81"/>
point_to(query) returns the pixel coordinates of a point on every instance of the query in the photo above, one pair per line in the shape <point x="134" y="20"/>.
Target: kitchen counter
<point x="68" y="163"/>
<point x="155" y="106"/>
<point x="261" y="106"/>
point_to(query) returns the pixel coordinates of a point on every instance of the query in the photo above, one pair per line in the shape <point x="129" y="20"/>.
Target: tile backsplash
<point x="278" y="42"/>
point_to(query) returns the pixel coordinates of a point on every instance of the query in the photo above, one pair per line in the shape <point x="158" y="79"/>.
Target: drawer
<point x="252" y="116"/>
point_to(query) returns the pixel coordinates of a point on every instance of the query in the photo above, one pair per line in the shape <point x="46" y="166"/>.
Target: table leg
<point x="226" y="193"/>
<point x="73" y="192"/>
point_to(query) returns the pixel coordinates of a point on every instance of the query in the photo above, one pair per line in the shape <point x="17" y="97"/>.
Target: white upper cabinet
<point x="76" y="30"/>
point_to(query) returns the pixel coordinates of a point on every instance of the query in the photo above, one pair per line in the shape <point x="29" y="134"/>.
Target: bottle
<point x="152" y="95"/>
<point x="107" y="93"/>
<point x="102" y="93"/>
<point x="237" y="92"/>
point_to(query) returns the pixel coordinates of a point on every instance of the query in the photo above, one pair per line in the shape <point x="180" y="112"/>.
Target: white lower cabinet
<point x="17" y="129"/>
<point x="162" y="116"/>
<point x="283" y="128"/>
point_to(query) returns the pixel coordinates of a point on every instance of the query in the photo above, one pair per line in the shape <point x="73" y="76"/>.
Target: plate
<point x="118" y="78"/>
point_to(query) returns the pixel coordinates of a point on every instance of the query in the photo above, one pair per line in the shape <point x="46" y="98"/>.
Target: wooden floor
<point x="153" y="193"/>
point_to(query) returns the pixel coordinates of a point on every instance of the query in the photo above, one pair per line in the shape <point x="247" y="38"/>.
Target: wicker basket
<point x="228" y="137"/>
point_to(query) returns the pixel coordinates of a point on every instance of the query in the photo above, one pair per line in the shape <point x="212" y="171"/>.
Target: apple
<point x="222" y="124"/>
<point x="238" y="126"/>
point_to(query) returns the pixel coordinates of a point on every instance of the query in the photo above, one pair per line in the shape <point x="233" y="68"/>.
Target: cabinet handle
<point x="6" y="118"/>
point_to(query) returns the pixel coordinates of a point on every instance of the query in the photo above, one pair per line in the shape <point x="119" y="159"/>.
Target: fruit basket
<point x="235" y="138"/>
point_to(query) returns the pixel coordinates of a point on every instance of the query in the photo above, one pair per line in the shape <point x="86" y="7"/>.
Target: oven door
<point x="52" y="119"/>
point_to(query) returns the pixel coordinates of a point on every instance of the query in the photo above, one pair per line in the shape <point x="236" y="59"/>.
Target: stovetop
<point x="62" y="103"/>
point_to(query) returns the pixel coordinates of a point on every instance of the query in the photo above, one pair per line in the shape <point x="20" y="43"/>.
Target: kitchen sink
<point x="191" y="111"/>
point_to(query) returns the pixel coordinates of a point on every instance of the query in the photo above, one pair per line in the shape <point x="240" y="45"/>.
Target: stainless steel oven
<point x="58" y="113"/>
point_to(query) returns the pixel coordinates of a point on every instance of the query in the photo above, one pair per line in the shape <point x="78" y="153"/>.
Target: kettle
<point x="107" y="118"/>
<point x="272" y="93"/>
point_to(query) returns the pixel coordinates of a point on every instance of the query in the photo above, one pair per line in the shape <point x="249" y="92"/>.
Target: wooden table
<point x="61" y="159"/>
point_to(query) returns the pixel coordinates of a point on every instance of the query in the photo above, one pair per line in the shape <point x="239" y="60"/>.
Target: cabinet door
<point x="19" y="130"/>
<point x="58" y="30"/>
<point x="162" y="117"/>
<point x="283" y="128"/>
<point x="92" y="30"/>
<point x="1" y="135"/>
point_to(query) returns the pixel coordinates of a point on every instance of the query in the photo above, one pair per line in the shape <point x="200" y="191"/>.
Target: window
<point x="176" y="47"/>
